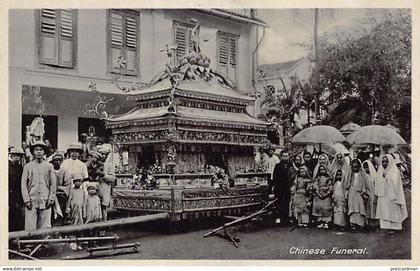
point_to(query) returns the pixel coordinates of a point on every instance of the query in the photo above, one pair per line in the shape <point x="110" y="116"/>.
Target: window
<point x="182" y="38"/>
<point x="227" y="54"/>
<point x="123" y="42"/>
<point x="57" y="37"/>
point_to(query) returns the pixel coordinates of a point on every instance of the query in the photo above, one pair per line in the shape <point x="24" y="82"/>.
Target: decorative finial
<point x="195" y="38"/>
<point x="170" y="52"/>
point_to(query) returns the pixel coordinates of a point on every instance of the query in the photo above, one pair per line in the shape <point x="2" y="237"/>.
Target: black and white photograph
<point x="209" y="134"/>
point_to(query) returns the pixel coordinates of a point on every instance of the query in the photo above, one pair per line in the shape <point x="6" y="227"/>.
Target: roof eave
<point x="227" y="15"/>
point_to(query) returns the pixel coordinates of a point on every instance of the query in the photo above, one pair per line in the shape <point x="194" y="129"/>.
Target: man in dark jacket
<point x="309" y="162"/>
<point x="16" y="214"/>
<point x="281" y="189"/>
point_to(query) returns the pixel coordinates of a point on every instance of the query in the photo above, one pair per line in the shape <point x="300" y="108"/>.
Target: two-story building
<point x="73" y="67"/>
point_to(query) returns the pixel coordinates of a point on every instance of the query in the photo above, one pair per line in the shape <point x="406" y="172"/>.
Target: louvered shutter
<point x="223" y="49"/>
<point x="66" y="38"/>
<point x="48" y="40"/>
<point x="131" y="44"/>
<point x="56" y="39"/>
<point x="227" y="54"/>
<point x="232" y="51"/>
<point x="123" y="34"/>
<point x="181" y="40"/>
<point x="116" y="36"/>
<point x="232" y="59"/>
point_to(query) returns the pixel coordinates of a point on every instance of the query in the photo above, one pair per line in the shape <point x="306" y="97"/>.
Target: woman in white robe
<point x="322" y="160"/>
<point x="340" y="163"/>
<point x="370" y="203"/>
<point x="391" y="209"/>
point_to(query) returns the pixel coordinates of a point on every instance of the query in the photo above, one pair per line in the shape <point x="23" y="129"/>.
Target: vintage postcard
<point x="271" y="133"/>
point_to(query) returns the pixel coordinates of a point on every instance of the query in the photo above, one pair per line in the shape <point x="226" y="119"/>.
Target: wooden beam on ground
<point x="22" y="255"/>
<point x="264" y="210"/>
<point x="231" y="217"/>
<point x="90" y="226"/>
<point x="37" y="247"/>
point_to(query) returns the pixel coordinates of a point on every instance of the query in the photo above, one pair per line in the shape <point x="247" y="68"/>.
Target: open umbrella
<point x="375" y="134"/>
<point x="333" y="149"/>
<point x="318" y="134"/>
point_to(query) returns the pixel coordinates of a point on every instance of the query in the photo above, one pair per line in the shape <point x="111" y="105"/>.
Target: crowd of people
<point x="58" y="188"/>
<point x="48" y="187"/>
<point x="360" y="194"/>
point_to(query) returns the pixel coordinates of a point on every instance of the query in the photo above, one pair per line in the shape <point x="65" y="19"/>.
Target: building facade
<point x="281" y="76"/>
<point x="74" y="67"/>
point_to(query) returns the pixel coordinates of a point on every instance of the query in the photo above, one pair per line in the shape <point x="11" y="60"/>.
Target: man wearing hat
<point x="39" y="186"/>
<point x="63" y="183"/>
<point x="16" y="216"/>
<point x="73" y="164"/>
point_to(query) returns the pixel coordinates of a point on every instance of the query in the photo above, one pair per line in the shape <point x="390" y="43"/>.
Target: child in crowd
<point x="92" y="207"/>
<point x="339" y="201"/>
<point x="322" y="205"/>
<point x="300" y="195"/>
<point x="75" y="202"/>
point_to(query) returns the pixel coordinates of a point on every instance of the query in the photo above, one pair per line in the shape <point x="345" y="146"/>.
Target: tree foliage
<point x="369" y="77"/>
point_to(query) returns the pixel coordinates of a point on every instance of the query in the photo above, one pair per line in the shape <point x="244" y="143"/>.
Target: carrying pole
<point x="90" y="226"/>
<point x="264" y="210"/>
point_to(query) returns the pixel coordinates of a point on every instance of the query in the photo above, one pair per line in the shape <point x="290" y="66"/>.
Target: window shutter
<point x="131" y="45"/>
<point x="116" y="35"/>
<point x="66" y="19"/>
<point x="180" y="40"/>
<point x="116" y="30"/>
<point x="48" y="22"/>
<point x="232" y="51"/>
<point x="123" y="36"/>
<point x="190" y="43"/>
<point x="227" y="58"/>
<point x="223" y="49"/>
<point x="131" y="32"/>
<point x="48" y="39"/>
<point x="66" y="38"/>
<point x="56" y="37"/>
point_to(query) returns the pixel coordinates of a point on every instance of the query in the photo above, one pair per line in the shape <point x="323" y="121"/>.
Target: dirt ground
<point x="264" y="240"/>
<point x="258" y="240"/>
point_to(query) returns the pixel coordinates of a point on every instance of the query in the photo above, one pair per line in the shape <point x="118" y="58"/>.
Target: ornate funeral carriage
<point x="190" y="129"/>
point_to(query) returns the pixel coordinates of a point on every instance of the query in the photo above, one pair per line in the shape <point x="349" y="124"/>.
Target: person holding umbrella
<point x="39" y="186"/>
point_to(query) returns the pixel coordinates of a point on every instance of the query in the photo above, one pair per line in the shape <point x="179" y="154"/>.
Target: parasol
<point x="333" y="149"/>
<point x="318" y="134"/>
<point x="375" y="134"/>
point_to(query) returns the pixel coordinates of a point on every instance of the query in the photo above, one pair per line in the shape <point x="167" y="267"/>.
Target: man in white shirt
<point x="272" y="161"/>
<point x="73" y="164"/>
